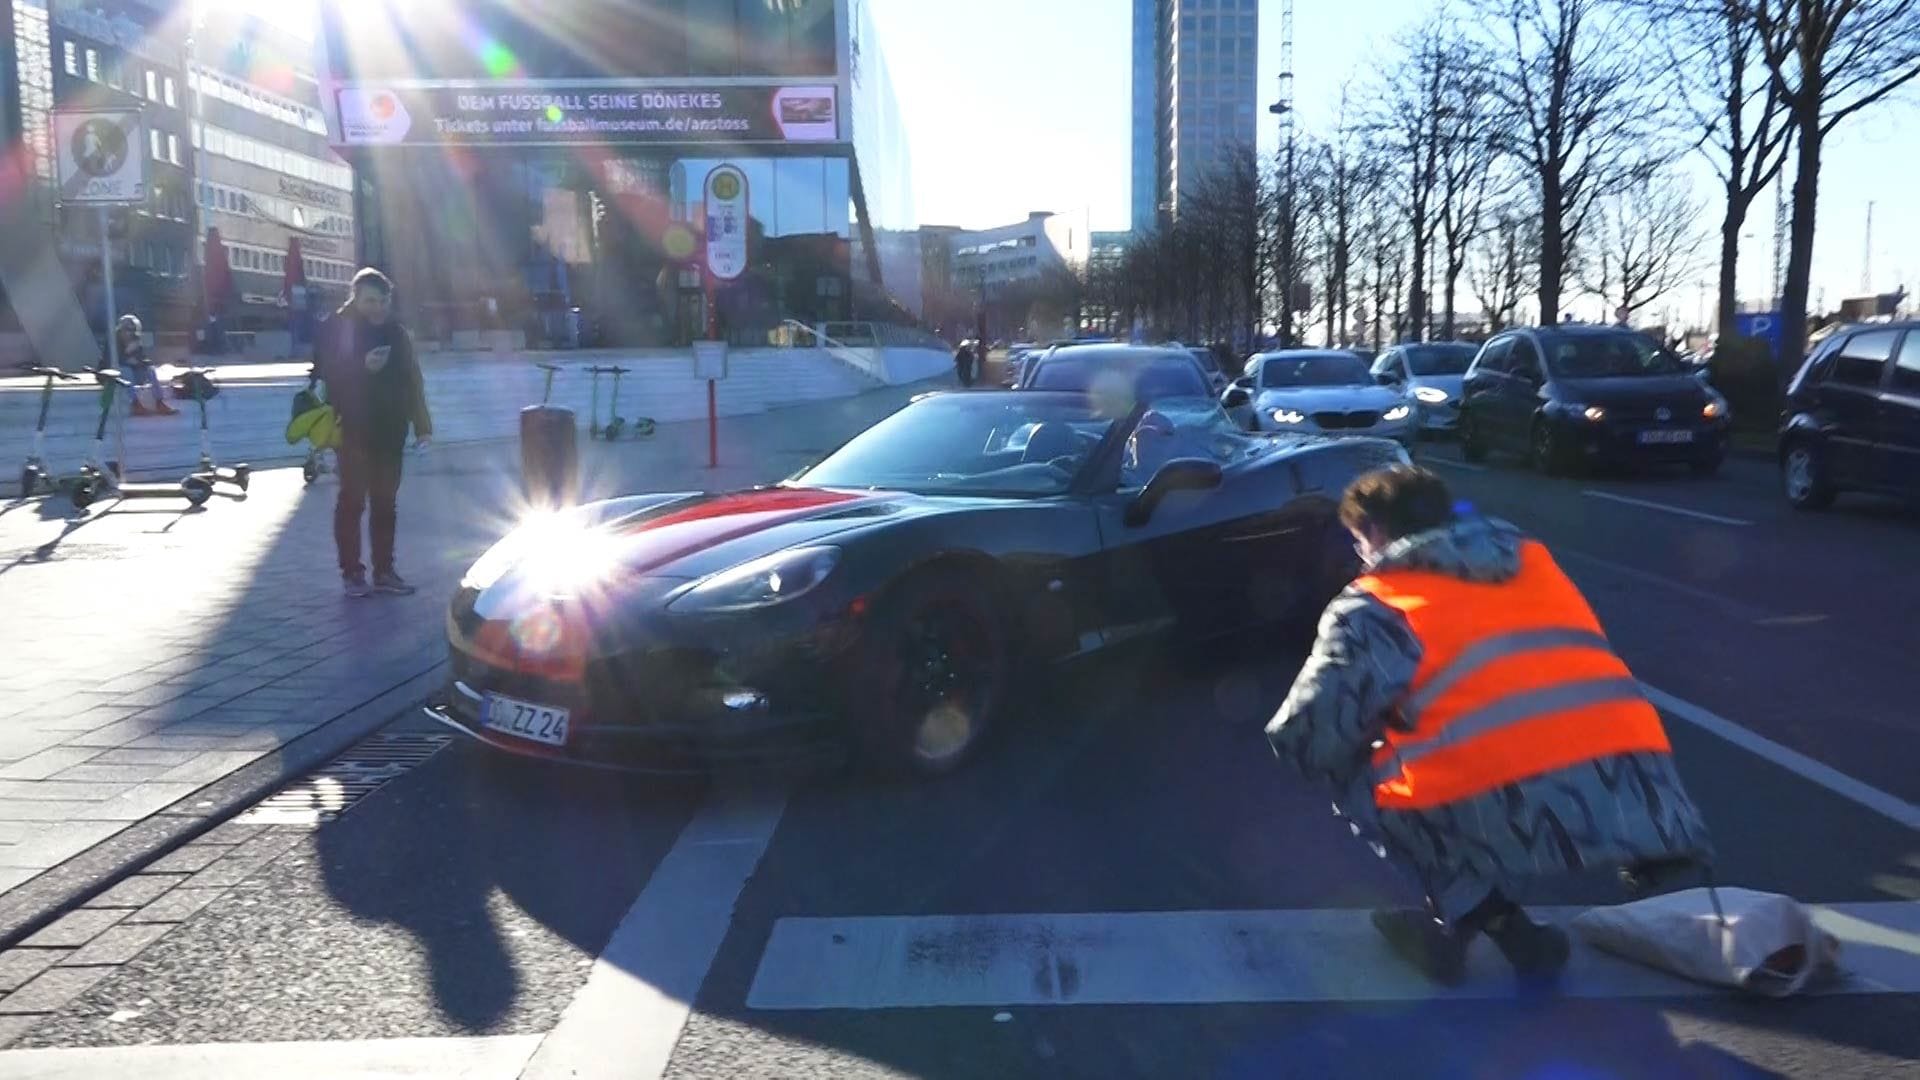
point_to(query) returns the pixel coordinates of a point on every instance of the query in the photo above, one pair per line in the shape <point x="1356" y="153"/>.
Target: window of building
<point x="153" y="85"/>
<point x="153" y="143"/>
<point x="173" y="148"/>
<point x="167" y="84"/>
<point x="72" y="57"/>
<point x="93" y="66"/>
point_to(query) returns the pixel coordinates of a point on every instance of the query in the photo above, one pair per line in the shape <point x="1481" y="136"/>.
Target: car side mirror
<point x="1235" y="397"/>
<point x="1387" y="378"/>
<point x="1244" y="382"/>
<point x="1180" y="474"/>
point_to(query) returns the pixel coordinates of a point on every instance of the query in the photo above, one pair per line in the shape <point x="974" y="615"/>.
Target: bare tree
<point x="1412" y="109"/>
<point x="1643" y="243"/>
<point x="1506" y="263"/>
<point x="1344" y="170"/>
<point x="1472" y="167"/>
<point x="1584" y="116"/>
<point x="1827" y="59"/>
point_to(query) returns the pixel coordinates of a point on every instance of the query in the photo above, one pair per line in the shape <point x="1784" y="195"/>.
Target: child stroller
<point x="315" y="423"/>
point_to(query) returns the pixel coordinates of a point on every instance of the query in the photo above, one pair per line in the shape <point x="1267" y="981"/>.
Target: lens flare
<point x="498" y="59"/>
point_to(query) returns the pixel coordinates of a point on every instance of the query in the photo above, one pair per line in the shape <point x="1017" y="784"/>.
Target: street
<point x="1126" y="885"/>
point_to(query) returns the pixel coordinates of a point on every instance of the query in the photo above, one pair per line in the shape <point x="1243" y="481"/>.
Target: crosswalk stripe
<point x="1214" y="957"/>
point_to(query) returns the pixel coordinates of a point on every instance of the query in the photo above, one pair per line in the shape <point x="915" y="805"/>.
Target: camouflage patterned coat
<point x="1611" y="813"/>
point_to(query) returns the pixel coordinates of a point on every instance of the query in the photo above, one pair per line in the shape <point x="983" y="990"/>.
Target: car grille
<point x="1336" y="420"/>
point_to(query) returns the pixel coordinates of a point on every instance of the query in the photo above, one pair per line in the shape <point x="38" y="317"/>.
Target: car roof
<point x="1115" y="352"/>
<point x="1307" y="354"/>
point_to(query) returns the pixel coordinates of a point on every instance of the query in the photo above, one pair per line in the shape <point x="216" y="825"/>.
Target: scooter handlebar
<point x="48" y="372"/>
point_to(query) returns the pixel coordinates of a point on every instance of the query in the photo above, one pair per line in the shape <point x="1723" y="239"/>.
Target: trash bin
<point x="549" y="456"/>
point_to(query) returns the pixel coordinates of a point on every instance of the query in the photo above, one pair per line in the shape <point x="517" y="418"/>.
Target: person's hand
<point x="423" y="442"/>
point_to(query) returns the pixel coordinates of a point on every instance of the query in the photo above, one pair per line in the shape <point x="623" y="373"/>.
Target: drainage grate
<point x="330" y="790"/>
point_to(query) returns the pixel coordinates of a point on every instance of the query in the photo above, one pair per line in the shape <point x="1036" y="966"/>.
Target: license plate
<point x="1666" y="436"/>
<point x="525" y="720"/>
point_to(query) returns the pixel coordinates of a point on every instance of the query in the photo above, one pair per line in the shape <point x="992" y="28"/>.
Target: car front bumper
<point x="1401" y="431"/>
<point x="725" y="692"/>
<point x="1620" y="443"/>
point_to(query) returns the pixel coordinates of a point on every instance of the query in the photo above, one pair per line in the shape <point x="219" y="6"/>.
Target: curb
<point x="33" y="904"/>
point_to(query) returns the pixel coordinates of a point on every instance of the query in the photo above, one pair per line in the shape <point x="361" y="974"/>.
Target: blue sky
<point x="1019" y="105"/>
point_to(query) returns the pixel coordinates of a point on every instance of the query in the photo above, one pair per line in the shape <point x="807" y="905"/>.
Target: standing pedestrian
<point x="138" y="370"/>
<point x="374" y="384"/>
<point x="1478" y="729"/>
<point x="963" y="360"/>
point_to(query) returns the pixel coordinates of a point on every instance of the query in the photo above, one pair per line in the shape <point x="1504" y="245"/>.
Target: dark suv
<point x="1569" y="396"/>
<point x="1852" y="417"/>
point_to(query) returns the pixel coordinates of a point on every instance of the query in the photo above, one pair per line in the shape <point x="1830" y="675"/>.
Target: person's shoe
<point x="355" y="584"/>
<point x="392" y="584"/>
<point x="139" y="409"/>
<point x="1536" y="950"/>
<point x="164" y="409"/>
<point x="1424" y="942"/>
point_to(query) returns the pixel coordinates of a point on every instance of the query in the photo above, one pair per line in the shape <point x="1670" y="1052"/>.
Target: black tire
<point x="1473" y="445"/>
<point x="310" y="472"/>
<point x="196" y="489"/>
<point x="1809" y="489"/>
<point x="242" y="476"/>
<point x="934" y="674"/>
<point x="1544" y="452"/>
<point x="29" y="482"/>
<point x="83" y="494"/>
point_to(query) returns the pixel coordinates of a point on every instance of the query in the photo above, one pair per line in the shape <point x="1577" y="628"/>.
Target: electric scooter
<point x="200" y="386"/>
<point x="101" y="477"/>
<point x="35" y="477"/>
<point x="615" y="426"/>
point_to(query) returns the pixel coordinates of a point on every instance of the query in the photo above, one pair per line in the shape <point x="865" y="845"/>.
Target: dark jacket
<point x="373" y="381"/>
<point x="1615" y="813"/>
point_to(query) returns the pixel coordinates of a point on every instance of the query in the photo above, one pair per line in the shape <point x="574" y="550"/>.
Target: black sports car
<point x="883" y="600"/>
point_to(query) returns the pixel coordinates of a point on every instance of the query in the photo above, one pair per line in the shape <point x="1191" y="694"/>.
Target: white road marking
<point x="1736" y="608"/>
<point x="492" y="1057"/>
<point x="625" y="1021"/>
<point x="1880" y="802"/>
<point x="1717" y="519"/>
<point x="1217" y="957"/>
<point x="1451" y="463"/>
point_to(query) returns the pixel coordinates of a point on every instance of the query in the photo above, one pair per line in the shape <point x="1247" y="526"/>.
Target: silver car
<point x="1430" y="373"/>
<point x="1319" y="392"/>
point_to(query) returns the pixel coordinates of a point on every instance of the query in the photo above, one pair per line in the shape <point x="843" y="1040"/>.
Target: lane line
<point x="1701" y="515"/>
<point x="624" y="1023"/>
<point x="482" y="1057"/>
<point x="1880" y="802"/>
<point x="1737" y="608"/>
<point x="1219" y="957"/>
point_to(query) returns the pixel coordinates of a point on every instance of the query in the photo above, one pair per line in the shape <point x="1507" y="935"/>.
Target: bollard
<point x="549" y="457"/>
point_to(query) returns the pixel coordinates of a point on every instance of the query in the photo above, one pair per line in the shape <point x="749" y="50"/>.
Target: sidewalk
<point x="152" y="654"/>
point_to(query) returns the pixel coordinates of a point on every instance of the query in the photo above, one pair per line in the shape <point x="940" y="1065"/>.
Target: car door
<point x="1484" y="386"/>
<point x="1520" y="398"/>
<point x="1900" y="417"/>
<point x="1173" y="568"/>
<point x="1849" y="404"/>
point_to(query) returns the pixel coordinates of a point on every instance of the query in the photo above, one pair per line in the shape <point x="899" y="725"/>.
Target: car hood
<point x="1319" y="398"/>
<point x="1454" y="385"/>
<point x="1683" y="390"/>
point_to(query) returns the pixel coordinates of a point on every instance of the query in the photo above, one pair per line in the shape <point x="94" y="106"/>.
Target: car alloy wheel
<point x="948" y="680"/>
<point x="1801" y="473"/>
<point x="1545" y="456"/>
<point x="937" y="667"/>
<point x="1472" y="446"/>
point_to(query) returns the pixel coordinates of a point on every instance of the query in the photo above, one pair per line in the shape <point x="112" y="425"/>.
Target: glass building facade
<point x="1195" y="95"/>
<point x="522" y="164"/>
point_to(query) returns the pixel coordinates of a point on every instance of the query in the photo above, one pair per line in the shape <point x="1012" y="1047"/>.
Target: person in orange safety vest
<point x="1478" y="728"/>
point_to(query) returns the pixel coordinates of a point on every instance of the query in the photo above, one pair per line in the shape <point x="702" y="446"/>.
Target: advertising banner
<point x="610" y="113"/>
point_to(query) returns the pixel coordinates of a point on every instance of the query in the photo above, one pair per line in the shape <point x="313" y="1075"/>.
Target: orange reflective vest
<point x="1516" y="680"/>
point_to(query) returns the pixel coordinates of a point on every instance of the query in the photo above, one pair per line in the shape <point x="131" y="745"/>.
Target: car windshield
<point x="1149" y="380"/>
<point x="1441" y="359"/>
<point x="1280" y="371"/>
<point x="1005" y="444"/>
<point x="1610" y="356"/>
<point x="1206" y="359"/>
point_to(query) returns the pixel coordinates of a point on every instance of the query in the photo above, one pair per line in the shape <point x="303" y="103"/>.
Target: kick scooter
<point x="100" y="477"/>
<point x="35" y="478"/>
<point x="200" y="386"/>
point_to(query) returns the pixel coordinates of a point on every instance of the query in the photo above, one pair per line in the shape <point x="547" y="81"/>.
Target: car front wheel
<point x="1804" y="476"/>
<point x="1473" y="445"/>
<point x="936" y="671"/>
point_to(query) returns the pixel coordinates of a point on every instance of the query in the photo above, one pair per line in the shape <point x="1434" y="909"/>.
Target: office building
<point x="561" y="164"/>
<point x="268" y="180"/>
<point x="1195" y="96"/>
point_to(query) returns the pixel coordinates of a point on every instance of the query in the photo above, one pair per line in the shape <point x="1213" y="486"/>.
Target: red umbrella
<point x="295" y="274"/>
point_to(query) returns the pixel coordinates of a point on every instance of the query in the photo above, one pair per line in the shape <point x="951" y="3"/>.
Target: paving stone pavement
<point x="147" y="652"/>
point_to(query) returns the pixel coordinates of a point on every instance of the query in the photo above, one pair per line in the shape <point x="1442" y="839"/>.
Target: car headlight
<point x="1432" y="395"/>
<point x="771" y="579"/>
<point x="536" y="535"/>
<point x="1592" y="414"/>
<point x="1398" y="412"/>
<point x="561" y="555"/>
<point x="1289" y="416"/>
<point x="1713" y="410"/>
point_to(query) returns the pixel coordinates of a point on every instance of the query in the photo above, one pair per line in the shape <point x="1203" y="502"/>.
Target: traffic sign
<point x="101" y="159"/>
<point x="726" y="222"/>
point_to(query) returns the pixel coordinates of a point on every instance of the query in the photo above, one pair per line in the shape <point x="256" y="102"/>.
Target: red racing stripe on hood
<point x="657" y="542"/>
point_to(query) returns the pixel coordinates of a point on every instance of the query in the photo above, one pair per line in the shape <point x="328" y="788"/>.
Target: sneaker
<point x="355" y="584"/>
<point x="138" y="409"/>
<point x="392" y="584"/>
<point x="164" y="409"/>
<point x="1536" y="950"/>
<point x="1424" y="942"/>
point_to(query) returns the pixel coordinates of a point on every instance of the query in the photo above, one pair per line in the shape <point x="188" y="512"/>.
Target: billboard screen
<point x="373" y="115"/>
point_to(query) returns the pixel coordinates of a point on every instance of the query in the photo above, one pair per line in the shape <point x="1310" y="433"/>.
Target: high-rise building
<point x="1194" y="95"/>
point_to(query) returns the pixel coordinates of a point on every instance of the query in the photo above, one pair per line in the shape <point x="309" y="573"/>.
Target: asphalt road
<point x="469" y="899"/>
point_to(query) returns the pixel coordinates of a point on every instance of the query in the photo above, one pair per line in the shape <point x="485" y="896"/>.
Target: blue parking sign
<point x="1760" y="325"/>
